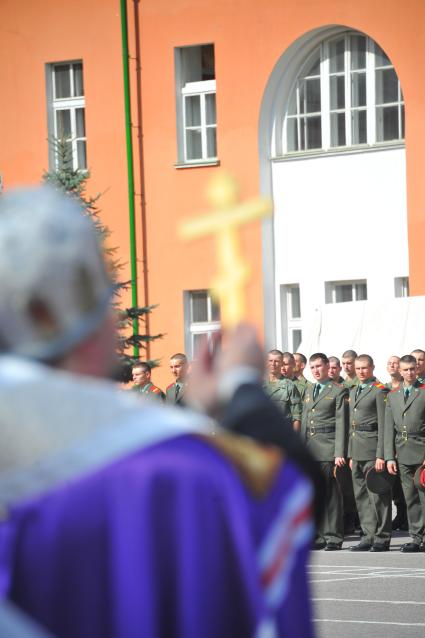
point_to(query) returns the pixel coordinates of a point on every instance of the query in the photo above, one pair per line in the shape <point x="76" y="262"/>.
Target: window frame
<point x="322" y="51"/>
<point x="331" y="290"/>
<point x="196" y="328"/>
<point x="290" y="322"/>
<point x="186" y="88"/>
<point x="201" y="89"/>
<point x="70" y="103"/>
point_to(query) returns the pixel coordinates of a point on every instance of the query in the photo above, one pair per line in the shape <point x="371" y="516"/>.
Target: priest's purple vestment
<point x="164" y="540"/>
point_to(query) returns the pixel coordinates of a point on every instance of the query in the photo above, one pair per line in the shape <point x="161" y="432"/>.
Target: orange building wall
<point x="40" y="32"/>
<point x="249" y="38"/>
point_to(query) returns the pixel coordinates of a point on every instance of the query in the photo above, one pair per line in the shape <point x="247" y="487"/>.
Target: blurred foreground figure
<point x="124" y="519"/>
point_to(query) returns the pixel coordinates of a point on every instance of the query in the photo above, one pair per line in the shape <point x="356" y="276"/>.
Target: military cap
<point x="419" y="478"/>
<point x="379" y="482"/>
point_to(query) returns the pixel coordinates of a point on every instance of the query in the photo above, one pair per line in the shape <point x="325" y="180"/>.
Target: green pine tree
<point x="73" y="182"/>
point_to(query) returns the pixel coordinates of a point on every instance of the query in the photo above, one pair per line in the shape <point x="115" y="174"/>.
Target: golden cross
<point x="228" y="286"/>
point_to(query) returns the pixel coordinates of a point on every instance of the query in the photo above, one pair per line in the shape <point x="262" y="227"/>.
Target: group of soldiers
<point x="368" y="438"/>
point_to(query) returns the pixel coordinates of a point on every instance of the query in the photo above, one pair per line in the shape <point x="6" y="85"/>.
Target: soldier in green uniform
<point x="179" y="366"/>
<point x="400" y="519"/>
<point x="351" y="517"/>
<point x="288" y="372"/>
<point x="348" y="359"/>
<point x="393" y="369"/>
<point x="366" y="450"/>
<point x="282" y="391"/>
<point x="420" y="364"/>
<point x="300" y="364"/>
<point x="142" y="383"/>
<point x="324" y="429"/>
<point x="405" y="438"/>
<point x="335" y="370"/>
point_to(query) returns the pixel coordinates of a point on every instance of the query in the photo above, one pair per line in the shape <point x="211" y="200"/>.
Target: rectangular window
<point x="202" y="319"/>
<point x="401" y="286"/>
<point x="341" y="291"/>
<point x="196" y="105"/>
<point x="290" y="302"/>
<point x="66" y="112"/>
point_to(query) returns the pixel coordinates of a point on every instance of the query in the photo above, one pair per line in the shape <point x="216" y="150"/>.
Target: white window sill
<point x="198" y="163"/>
<point x="363" y="148"/>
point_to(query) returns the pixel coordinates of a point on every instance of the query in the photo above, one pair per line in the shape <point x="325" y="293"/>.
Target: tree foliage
<point x="73" y="182"/>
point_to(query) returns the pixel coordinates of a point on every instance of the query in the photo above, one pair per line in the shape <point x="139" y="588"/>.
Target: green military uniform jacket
<point x="301" y="384"/>
<point x="174" y="397"/>
<point x="325" y="421"/>
<point x="405" y="425"/>
<point x="349" y="383"/>
<point x="389" y="385"/>
<point x="367" y="421"/>
<point x="150" y="390"/>
<point x="286" y="396"/>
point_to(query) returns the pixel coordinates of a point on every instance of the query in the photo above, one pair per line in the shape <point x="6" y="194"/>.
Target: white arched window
<point x="346" y="95"/>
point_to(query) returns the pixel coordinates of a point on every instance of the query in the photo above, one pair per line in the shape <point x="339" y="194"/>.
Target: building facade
<point x="317" y="104"/>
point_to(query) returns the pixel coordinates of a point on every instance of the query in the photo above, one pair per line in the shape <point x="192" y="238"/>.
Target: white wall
<point x="340" y="217"/>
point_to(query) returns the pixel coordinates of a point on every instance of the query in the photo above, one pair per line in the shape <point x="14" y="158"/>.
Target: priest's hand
<point x="216" y="376"/>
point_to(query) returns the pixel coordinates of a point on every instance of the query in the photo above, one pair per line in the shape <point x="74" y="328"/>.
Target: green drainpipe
<point x="130" y="169"/>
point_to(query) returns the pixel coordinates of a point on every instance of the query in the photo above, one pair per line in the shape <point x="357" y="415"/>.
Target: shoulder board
<point x="170" y="386"/>
<point x="378" y="384"/>
<point x="153" y="388"/>
<point x="338" y="385"/>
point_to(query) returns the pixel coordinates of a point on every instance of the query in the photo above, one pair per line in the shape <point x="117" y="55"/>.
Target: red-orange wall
<point x="249" y="37"/>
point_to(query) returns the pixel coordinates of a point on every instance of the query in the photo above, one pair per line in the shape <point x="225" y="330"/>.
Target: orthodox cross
<point x="228" y="285"/>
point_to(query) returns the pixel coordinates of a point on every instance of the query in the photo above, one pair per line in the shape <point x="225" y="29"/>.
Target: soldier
<point x="400" y="519"/>
<point x="179" y="367"/>
<point x="348" y="359"/>
<point x="405" y="438"/>
<point x="351" y="518"/>
<point x="420" y="364"/>
<point x="335" y="370"/>
<point x="282" y="391"/>
<point x="288" y="372"/>
<point x="324" y="429"/>
<point x="142" y="383"/>
<point x="366" y="450"/>
<point x="300" y="364"/>
<point x="393" y="369"/>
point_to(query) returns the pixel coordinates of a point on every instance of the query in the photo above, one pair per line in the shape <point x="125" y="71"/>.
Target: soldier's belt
<point x="405" y="435"/>
<point x="320" y="429"/>
<point x="373" y="427"/>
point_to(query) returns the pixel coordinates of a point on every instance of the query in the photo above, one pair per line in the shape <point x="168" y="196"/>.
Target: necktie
<point x="316" y="391"/>
<point x="358" y="391"/>
<point x="177" y="392"/>
<point x="406" y="394"/>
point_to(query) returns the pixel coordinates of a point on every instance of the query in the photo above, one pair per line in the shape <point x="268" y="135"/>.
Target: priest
<point x="117" y="518"/>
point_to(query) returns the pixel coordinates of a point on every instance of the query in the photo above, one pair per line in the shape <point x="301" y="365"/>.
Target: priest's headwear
<point x="55" y="290"/>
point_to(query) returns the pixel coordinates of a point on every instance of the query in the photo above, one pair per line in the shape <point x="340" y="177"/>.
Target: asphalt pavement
<point x="366" y="594"/>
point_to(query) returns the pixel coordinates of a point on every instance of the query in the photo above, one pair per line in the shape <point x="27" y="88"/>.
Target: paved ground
<point x="369" y="595"/>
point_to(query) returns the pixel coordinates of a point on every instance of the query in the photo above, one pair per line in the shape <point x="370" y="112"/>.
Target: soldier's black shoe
<point x="380" y="547"/>
<point x="332" y="547"/>
<point x="319" y="545"/>
<point x="361" y="547"/>
<point x="409" y="548"/>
